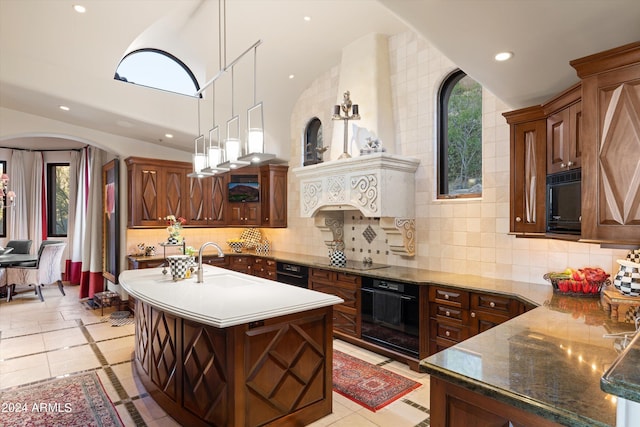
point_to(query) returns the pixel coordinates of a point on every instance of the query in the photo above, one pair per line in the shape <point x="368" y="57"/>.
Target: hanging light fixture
<point x="232" y="145"/>
<point x="199" y="158"/>
<point x="255" y="125"/>
<point x="215" y="153"/>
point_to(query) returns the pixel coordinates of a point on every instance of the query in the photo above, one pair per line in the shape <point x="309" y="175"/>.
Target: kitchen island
<point x="233" y="350"/>
<point x="542" y="368"/>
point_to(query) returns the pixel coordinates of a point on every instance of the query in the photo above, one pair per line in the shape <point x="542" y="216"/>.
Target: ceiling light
<point x="64" y="108"/>
<point x="291" y="76"/>
<point x="307" y="18"/>
<point x="79" y="8"/>
<point x="168" y="135"/>
<point x="503" y="56"/>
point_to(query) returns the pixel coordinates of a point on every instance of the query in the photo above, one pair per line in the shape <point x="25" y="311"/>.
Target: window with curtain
<point x="157" y="69"/>
<point x="57" y="199"/>
<point x="459" y="137"/>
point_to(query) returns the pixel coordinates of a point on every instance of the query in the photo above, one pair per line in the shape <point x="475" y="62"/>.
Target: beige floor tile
<point x="128" y="379"/>
<point x="21" y="346"/>
<point x="149" y="409"/>
<point x="356" y="420"/>
<point x="63" y="338"/>
<point x="165" y="421"/>
<point x="108" y="385"/>
<point x="104" y="331"/>
<point x="117" y="350"/>
<point x="397" y="414"/>
<point x="72" y="360"/>
<point x="124" y="415"/>
<point x="19" y="329"/>
<point x="24" y="370"/>
<point x="58" y="325"/>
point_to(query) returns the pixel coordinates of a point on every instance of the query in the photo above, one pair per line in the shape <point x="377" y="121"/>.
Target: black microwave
<point x="564" y="202"/>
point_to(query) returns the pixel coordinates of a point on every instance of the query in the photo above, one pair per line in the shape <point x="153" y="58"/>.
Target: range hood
<point x="380" y="185"/>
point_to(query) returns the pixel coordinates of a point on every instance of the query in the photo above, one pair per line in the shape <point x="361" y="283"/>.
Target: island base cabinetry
<point x="272" y="372"/>
<point x="453" y="406"/>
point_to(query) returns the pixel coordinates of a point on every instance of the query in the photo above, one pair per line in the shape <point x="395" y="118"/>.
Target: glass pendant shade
<point x="199" y="162"/>
<point x="215" y="156"/>
<point x="255" y="141"/>
<point x="232" y="149"/>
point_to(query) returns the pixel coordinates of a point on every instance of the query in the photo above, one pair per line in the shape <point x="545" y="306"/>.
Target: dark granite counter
<point x="548" y="361"/>
<point x="623" y="377"/>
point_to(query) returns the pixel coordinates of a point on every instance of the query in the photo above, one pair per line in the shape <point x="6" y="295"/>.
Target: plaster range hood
<point x="380" y="185"/>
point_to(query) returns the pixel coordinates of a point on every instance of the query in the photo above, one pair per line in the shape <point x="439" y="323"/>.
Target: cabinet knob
<point x="563" y="165"/>
<point x="266" y="219"/>
<point x="447" y="313"/>
<point x="447" y="333"/>
<point x="518" y="219"/>
<point x="492" y="304"/>
<point x="569" y="164"/>
<point x="446" y="296"/>
<point x="473" y="314"/>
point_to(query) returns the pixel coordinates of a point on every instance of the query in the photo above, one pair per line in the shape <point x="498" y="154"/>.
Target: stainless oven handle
<point x="367" y="290"/>
<point x="408" y="298"/>
<point x="295" y="276"/>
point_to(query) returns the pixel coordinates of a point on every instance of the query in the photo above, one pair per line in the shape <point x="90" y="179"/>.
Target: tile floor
<point x="41" y="340"/>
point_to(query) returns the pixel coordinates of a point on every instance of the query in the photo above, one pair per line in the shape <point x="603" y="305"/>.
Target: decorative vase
<point x="236" y="246"/>
<point x="173" y="240"/>
<point x="338" y="258"/>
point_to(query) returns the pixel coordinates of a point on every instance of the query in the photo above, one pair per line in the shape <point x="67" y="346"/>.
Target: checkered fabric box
<point x="179" y="265"/>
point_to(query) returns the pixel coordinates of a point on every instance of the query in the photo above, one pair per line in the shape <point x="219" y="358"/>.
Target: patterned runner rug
<point x="368" y="385"/>
<point x="74" y="401"/>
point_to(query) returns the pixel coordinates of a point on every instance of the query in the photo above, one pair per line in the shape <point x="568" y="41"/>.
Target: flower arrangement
<point x="174" y="227"/>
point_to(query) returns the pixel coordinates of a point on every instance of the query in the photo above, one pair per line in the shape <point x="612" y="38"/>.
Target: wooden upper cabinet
<point x="207" y="200"/>
<point x="564" y="121"/>
<point x="611" y="139"/>
<point x="156" y="189"/>
<point x="528" y="170"/>
<point x="274" y="195"/>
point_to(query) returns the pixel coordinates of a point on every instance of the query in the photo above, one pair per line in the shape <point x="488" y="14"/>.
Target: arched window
<point x="313" y="142"/>
<point x="159" y="70"/>
<point x="459" y="137"/>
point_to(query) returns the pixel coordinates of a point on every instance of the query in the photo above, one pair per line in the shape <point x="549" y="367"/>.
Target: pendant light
<point x="255" y="125"/>
<point x="215" y="153"/>
<point x="232" y="144"/>
<point x="199" y="158"/>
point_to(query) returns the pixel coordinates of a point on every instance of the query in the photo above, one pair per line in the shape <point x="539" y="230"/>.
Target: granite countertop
<point x="623" y="377"/>
<point x="548" y="361"/>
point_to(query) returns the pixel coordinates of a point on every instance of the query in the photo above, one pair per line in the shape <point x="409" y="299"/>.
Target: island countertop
<point x="548" y="361"/>
<point x="225" y="298"/>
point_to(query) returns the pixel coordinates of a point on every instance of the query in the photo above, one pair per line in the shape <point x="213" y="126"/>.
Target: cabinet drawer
<point x="449" y="296"/>
<point x="345" y="320"/>
<point x="239" y="261"/>
<point x="449" y="312"/>
<point x="348" y="278"/>
<point x="350" y="295"/>
<point x="494" y="303"/>
<point x="323" y="274"/>
<point x="450" y="331"/>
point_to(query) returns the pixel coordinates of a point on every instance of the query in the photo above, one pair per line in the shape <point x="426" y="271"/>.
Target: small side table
<point x="106" y="299"/>
<point x="623" y="308"/>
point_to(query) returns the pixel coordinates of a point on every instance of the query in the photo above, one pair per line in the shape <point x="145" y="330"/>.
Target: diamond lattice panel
<point x="620" y="158"/>
<point x="196" y="200"/>
<point x="142" y="336"/>
<point x="163" y="353"/>
<point x="149" y="194"/>
<point x="205" y="383"/>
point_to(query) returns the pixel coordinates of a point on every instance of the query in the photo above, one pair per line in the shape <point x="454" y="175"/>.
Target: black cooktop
<point x="355" y="265"/>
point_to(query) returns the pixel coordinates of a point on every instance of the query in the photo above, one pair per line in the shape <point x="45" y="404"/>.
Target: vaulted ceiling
<point x="50" y="55"/>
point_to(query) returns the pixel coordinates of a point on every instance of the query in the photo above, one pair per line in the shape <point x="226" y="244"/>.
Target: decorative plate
<point x="251" y="237"/>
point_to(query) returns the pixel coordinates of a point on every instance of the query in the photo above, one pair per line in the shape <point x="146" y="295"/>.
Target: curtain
<point x="78" y="187"/>
<point x="18" y="221"/>
<point x="91" y="280"/>
<point x="38" y="204"/>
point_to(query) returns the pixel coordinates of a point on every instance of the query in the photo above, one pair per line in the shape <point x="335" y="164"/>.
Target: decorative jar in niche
<point x="337" y="256"/>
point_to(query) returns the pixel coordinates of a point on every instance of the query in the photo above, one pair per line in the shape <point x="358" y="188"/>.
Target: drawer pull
<point x="447" y="313"/>
<point x="447" y="333"/>
<point x="492" y="304"/>
<point x="446" y="296"/>
<point x="473" y="314"/>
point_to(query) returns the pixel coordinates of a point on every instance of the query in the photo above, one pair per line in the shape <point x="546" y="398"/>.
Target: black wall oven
<point x="390" y="315"/>
<point x="564" y="202"/>
<point x="292" y="274"/>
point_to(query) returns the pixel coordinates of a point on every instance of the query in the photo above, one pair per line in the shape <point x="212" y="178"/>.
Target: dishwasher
<point x="292" y="274"/>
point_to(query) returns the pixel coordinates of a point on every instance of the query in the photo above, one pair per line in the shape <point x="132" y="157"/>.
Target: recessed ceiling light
<point x="63" y="107"/>
<point x="291" y="76"/>
<point x="168" y="135"/>
<point x="79" y="8"/>
<point x="307" y="18"/>
<point x="503" y="56"/>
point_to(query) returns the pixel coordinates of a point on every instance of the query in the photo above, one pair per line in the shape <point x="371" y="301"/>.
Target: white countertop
<point x="225" y="298"/>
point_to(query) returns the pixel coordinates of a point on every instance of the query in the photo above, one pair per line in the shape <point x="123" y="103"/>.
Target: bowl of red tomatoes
<point x="583" y="282"/>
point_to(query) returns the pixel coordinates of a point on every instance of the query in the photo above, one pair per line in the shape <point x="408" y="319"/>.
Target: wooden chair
<point x="46" y="271"/>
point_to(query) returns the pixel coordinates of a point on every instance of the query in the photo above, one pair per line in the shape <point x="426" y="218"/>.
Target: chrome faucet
<point x="220" y="255"/>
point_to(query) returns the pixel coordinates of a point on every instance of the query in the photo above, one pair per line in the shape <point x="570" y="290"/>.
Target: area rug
<point x="74" y="401"/>
<point x="366" y="384"/>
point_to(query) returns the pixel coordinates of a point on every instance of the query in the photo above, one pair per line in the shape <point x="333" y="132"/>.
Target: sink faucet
<point x="220" y="255"/>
